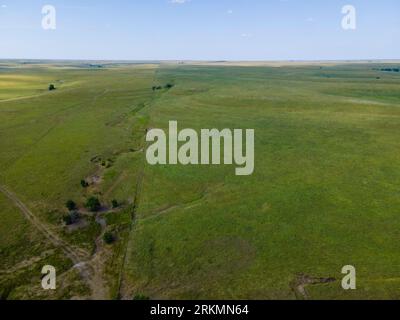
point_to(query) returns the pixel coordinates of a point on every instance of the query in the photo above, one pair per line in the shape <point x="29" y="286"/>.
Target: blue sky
<point x="200" y="30"/>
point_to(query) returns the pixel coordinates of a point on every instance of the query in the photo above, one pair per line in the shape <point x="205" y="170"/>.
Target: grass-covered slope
<point x="325" y="192"/>
<point x="90" y="128"/>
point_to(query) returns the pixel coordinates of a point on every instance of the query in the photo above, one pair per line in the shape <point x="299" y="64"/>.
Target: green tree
<point x="108" y="238"/>
<point x="84" y="184"/>
<point x="115" y="204"/>
<point x="70" y="205"/>
<point x="93" y="204"/>
<point x="52" y="87"/>
<point x="71" y="218"/>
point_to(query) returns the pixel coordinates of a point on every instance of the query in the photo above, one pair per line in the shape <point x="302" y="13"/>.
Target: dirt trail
<point x="22" y="98"/>
<point x="184" y="206"/>
<point x="97" y="262"/>
<point x="89" y="267"/>
<point x="75" y="254"/>
<point x="23" y="265"/>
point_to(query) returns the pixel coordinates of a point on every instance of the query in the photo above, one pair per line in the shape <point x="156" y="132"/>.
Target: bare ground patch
<point x="302" y="281"/>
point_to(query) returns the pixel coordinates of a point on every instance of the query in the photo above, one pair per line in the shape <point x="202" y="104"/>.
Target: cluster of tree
<point x="167" y="86"/>
<point x="391" y="69"/>
<point x="95" y="66"/>
<point x="93" y="204"/>
<point x="52" y="87"/>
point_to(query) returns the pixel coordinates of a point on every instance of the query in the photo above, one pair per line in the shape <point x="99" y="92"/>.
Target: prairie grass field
<point x="325" y="192"/>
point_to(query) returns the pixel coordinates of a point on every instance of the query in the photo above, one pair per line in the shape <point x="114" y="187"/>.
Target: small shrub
<point x="169" y="86"/>
<point x="93" y="204"/>
<point x="115" y="204"/>
<point x="68" y="219"/>
<point x="70" y="205"/>
<point x="52" y="87"/>
<point x="84" y="184"/>
<point x="108" y="238"/>
<point x="71" y="218"/>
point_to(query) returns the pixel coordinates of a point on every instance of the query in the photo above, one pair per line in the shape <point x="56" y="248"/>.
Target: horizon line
<point x="199" y="60"/>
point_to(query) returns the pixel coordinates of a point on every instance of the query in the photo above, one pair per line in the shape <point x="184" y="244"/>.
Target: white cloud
<point x="229" y="12"/>
<point x="4" y="6"/>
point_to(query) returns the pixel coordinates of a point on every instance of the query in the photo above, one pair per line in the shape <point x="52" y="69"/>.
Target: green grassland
<point x="49" y="140"/>
<point x="325" y="191"/>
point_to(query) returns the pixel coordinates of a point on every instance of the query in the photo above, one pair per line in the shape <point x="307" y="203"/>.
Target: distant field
<point x="324" y="194"/>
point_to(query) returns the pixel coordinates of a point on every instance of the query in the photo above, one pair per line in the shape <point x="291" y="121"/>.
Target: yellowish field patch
<point x="16" y="86"/>
<point x="11" y="82"/>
